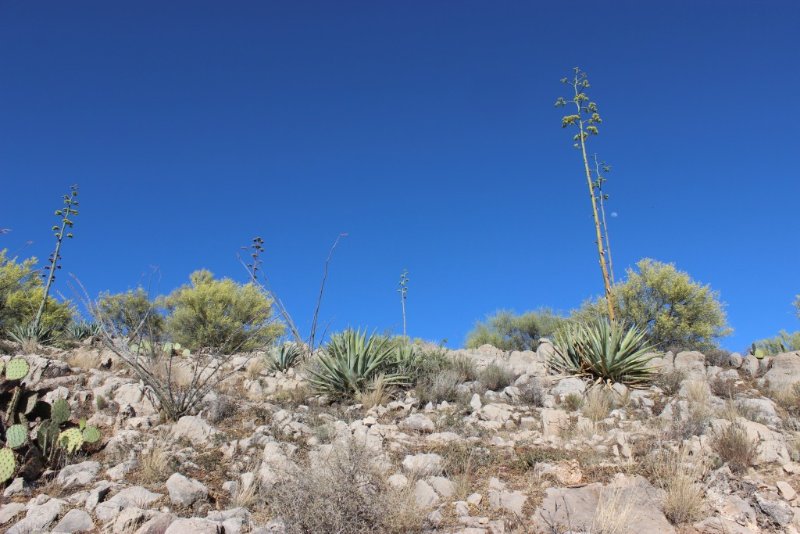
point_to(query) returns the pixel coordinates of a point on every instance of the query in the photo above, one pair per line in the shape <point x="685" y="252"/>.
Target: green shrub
<point x="508" y="331"/>
<point x="21" y="293"/>
<point x="220" y="314"/>
<point x="352" y="360"/>
<point x="783" y="342"/>
<point x="671" y="308"/>
<point x="130" y="313"/>
<point x="604" y="350"/>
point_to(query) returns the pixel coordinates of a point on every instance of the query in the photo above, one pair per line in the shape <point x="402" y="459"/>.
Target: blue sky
<point x="425" y="130"/>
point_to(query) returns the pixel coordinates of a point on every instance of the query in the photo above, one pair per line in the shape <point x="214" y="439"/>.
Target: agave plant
<point x="352" y="360"/>
<point x="32" y="333"/>
<point x="82" y="330"/>
<point x="605" y="350"/>
<point x="284" y="357"/>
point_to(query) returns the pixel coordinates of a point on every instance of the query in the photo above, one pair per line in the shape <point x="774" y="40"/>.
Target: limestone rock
<point x="194" y="429"/>
<point x="185" y="491"/>
<point x="75" y="521"/>
<point x="423" y="464"/>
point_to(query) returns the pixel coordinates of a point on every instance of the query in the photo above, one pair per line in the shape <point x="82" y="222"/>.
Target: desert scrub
<point x="669" y="381"/>
<point x="598" y="403"/>
<point x="132" y="314"/>
<point x="734" y="447"/>
<point x="344" y="495"/>
<point x="604" y="350"/>
<point x="532" y="393"/>
<point x="221" y="315"/>
<point x="495" y="377"/>
<point x="508" y="331"/>
<point x="572" y="402"/>
<point x="436" y="375"/>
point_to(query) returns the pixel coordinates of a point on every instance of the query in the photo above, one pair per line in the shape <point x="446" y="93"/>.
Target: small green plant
<point x="60" y="231"/>
<point x="284" y="357"/>
<point x="352" y="360"/>
<point x="604" y="350"/>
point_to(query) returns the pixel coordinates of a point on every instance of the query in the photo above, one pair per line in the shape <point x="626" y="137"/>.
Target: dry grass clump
<point x="439" y="387"/>
<point x="694" y="423"/>
<point x="532" y="393"/>
<point x="613" y="513"/>
<point x="698" y="392"/>
<point x="684" y="500"/>
<point x="726" y="388"/>
<point x="598" y="403"/>
<point x="734" y="447"/>
<point x="572" y="402"/>
<point x="670" y="381"/>
<point x="678" y="475"/>
<point x="255" y="367"/>
<point x="376" y="394"/>
<point x="344" y="496"/>
<point x="155" y="465"/>
<point x="495" y="377"/>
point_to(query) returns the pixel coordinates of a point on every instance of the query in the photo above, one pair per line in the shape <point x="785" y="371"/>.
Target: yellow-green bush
<point x="783" y="342"/>
<point x="671" y="308"/>
<point x="508" y="331"/>
<point x="21" y="293"/>
<point x="126" y="312"/>
<point x="220" y="314"/>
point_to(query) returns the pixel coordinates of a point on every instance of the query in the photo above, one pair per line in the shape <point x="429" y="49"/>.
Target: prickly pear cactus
<point x="60" y="412"/>
<point x="71" y="439"/>
<point x="7" y="464"/>
<point x="16" y="369"/>
<point x="91" y="434"/>
<point x="16" y="436"/>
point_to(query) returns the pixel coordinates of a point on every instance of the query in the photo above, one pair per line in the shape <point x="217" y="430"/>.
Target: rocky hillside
<point x="710" y="447"/>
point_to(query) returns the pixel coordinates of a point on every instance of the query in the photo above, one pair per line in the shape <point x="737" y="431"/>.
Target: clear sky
<point x="425" y="130"/>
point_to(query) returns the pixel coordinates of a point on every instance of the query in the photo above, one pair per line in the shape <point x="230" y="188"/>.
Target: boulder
<point x="581" y="509"/>
<point x="194" y="429"/>
<point x="785" y="371"/>
<point x="418" y="423"/>
<point x="568" y="386"/>
<point x="423" y="464"/>
<point x="185" y="491"/>
<point x="78" y="474"/>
